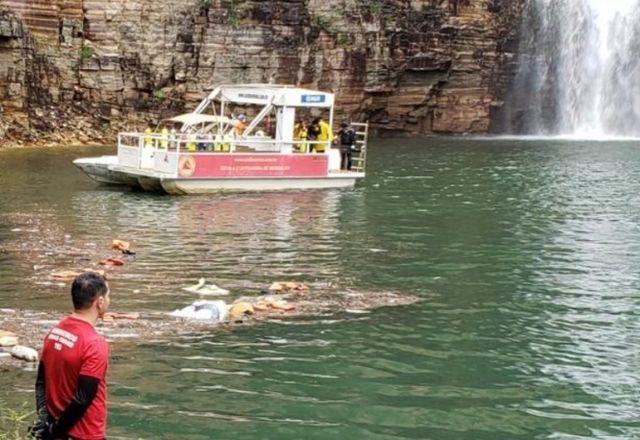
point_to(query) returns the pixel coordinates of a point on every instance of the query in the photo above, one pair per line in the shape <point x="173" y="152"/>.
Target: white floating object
<point x="214" y="311"/>
<point x="206" y="289"/>
<point x="213" y="290"/>
<point x="357" y="311"/>
<point x="24" y="353"/>
<point x="195" y="287"/>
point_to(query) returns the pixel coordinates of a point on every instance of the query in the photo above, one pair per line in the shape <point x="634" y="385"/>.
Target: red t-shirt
<point x="71" y="349"/>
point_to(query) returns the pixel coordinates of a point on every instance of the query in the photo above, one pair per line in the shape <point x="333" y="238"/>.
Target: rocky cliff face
<point x="407" y="66"/>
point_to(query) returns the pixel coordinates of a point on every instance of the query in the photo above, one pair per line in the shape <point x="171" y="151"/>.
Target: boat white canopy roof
<point x="198" y="118"/>
<point x="277" y="95"/>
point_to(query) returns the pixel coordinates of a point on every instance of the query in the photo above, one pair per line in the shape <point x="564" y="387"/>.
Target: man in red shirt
<point x="71" y="397"/>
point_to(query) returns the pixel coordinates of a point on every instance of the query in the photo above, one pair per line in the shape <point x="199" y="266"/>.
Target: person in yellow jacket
<point x="217" y="143"/>
<point x="164" y="141"/>
<point x="324" y="135"/>
<point x="148" y="142"/>
<point x="240" y="125"/>
<point x="300" y="131"/>
<point x="227" y="139"/>
<point x="191" y="142"/>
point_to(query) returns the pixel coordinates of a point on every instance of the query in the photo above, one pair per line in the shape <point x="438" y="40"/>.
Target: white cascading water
<point x="579" y="71"/>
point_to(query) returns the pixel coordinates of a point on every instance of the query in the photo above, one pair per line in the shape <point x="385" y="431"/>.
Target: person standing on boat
<point x="164" y="139"/>
<point x="313" y="131"/>
<point x="297" y="128"/>
<point x="148" y="140"/>
<point x="347" y="136"/>
<point x="202" y="145"/>
<point x="300" y="131"/>
<point x="71" y="391"/>
<point x="240" y="126"/>
<point x="269" y="127"/>
<point x="324" y="136"/>
<point x="173" y="136"/>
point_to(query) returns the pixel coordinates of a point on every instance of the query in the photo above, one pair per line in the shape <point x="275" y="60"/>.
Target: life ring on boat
<point x="186" y="166"/>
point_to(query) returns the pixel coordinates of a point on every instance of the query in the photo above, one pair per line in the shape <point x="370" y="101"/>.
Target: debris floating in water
<point x="240" y="310"/>
<point x="212" y="311"/>
<point x="8" y="339"/>
<point x="68" y="275"/>
<point x="266" y="304"/>
<point x="122" y="246"/>
<point x="195" y="287"/>
<point x="202" y="288"/>
<point x="288" y="286"/>
<point x="112" y="262"/>
<point x="24" y="353"/>
<point x="111" y="316"/>
<point x="65" y="275"/>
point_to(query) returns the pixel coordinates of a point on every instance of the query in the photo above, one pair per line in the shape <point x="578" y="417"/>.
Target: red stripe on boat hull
<point x="260" y="165"/>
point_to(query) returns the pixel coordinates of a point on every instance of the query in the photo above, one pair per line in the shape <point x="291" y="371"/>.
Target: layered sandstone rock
<point x="409" y="67"/>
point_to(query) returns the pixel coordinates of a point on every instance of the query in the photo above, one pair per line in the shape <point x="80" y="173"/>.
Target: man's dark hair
<point x="316" y="120"/>
<point x="86" y="288"/>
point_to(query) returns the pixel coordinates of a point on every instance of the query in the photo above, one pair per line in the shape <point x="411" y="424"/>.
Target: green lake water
<point x="526" y="255"/>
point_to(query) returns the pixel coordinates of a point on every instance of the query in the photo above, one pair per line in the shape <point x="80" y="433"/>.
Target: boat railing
<point x="161" y="153"/>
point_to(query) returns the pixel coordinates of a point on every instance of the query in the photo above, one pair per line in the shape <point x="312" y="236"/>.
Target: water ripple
<point x="526" y="254"/>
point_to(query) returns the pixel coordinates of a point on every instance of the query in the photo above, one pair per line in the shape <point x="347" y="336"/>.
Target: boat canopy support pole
<point x="206" y="101"/>
<point x="222" y="109"/>
<point x="328" y="147"/>
<point x="264" y="112"/>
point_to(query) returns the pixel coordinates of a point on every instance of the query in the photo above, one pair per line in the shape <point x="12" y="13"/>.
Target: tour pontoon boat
<point x="204" y="151"/>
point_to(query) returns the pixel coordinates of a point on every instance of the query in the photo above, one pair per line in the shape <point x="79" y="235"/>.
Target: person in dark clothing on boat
<point x="202" y="146"/>
<point x="314" y="130"/>
<point x="347" y="136"/>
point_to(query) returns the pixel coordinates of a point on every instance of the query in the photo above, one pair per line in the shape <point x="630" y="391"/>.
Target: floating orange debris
<point x="268" y="304"/>
<point x="120" y="245"/>
<point x="282" y="305"/>
<point x="112" y="262"/>
<point x="261" y="306"/>
<point x="288" y="286"/>
<point x="238" y="310"/>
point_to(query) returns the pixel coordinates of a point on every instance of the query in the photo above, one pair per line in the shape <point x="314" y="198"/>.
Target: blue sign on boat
<point x="312" y="99"/>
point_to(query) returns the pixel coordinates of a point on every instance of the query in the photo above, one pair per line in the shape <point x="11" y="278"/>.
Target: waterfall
<point x="579" y="70"/>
